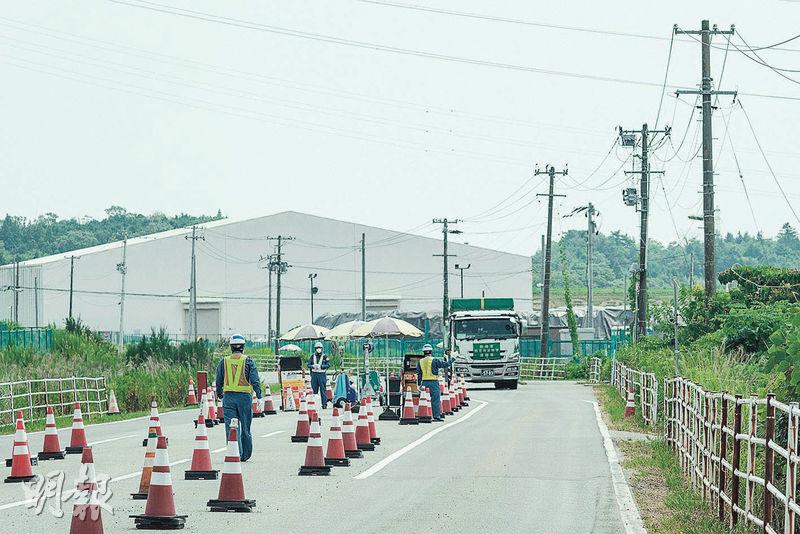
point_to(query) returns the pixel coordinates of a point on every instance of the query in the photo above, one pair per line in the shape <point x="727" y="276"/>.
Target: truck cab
<point x="485" y="342"/>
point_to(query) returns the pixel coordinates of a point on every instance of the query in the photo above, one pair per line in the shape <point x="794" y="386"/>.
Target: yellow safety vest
<point x="234" y="379"/>
<point x="426" y="365"/>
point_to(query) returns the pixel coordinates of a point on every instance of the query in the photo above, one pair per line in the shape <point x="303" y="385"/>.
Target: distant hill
<point x="23" y="239"/>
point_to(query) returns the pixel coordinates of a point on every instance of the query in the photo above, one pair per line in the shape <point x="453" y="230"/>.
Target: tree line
<point x="615" y="253"/>
<point x="24" y="239"/>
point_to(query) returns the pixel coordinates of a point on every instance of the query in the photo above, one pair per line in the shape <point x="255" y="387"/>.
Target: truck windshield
<point x="485" y="329"/>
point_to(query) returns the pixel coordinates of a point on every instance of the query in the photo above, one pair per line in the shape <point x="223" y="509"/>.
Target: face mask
<point x="319" y="351"/>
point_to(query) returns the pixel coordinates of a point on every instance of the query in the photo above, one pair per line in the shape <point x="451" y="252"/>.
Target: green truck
<point x="484" y="337"/>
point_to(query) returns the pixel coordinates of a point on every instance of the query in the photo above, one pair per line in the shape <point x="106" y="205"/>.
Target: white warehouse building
<point x="402" y="274"/>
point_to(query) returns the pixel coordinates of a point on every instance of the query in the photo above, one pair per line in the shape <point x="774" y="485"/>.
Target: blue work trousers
<point x="436" y="397"/>
<point x="238" y="405"/>
<point x="319" y="382"/>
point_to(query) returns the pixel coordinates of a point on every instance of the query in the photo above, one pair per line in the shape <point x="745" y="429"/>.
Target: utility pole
<point x="269" y="259"/>
<point x="36" y="300"/>
<point x="314" y="289"/>
<point x="71" y="282"/>
<point x="709" y="232"/>
<point x="691" y="270"/>
<point x="590" y="232"/>
<point x="461" y="268"/>
<point x="445" y="274"/>
<point x="545" y="335"/>
<point x="675" y="321"/>
<point x="541" y="283"/>
<point x="280" y="268"/>
<point x="122" y="268"/>
<point x="16" y="291"/>
<point x="363" y="277"/>
<point x="644" y="214"/>
<point x="193" y="287"/>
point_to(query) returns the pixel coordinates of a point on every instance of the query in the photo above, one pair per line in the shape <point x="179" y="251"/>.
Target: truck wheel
<point x="500" y="385"/>
<point x="512" y="384"/>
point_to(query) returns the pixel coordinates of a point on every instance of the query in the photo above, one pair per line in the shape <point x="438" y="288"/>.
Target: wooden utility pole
<point x="545" y="318"/>
<point x="363" y="277"/>
<point x="445" y="274"/>
<point x="193" y="287"/>
<point x="71" y="282"/>
<point x="590" y="231"/>
<point x="122" y="268"/>
<point x="709" y="232"/>
<point x="280" y="268"/>
<point x="644" y="214"/>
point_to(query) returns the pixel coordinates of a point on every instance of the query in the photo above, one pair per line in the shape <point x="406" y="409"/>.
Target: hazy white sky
<point x="106" y="103"/>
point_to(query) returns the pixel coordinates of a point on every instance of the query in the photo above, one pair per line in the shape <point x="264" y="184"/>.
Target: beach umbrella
<point x="306" y="331"/>
<point x="387" y="327"/>
<point x="344" y="330"/>
<point x="291" y="347"/>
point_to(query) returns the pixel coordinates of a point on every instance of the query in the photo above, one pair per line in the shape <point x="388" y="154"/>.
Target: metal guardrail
<point x="594" y="370"/>
<point x="645" y="389"/>
<point x="33" y="397"/>
<point x="543" y="368"/>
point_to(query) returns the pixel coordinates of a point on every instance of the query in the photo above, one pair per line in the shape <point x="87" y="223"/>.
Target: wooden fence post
<point x="769" y="462"/>
<point x="736" y="455"/>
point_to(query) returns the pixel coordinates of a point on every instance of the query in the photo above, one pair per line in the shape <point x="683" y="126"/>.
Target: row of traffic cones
<point x="418" y="409"/>
<point x="21" y="459"/>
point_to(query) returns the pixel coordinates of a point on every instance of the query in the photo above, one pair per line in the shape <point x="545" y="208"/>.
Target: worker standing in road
<point x="428" y="376"/>
<point x="237" y="378"/>
<point x="318" y="364"/>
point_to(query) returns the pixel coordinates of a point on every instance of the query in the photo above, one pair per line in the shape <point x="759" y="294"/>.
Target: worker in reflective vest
<point x="318" y="364"/>
<point x="428" y="376"/>
<point x="237" y="378"/>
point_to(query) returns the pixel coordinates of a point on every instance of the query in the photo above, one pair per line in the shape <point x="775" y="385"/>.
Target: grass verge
<point x="668" y="505"/>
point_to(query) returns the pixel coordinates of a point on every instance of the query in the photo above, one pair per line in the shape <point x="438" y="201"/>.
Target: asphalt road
<point x="530" y="460"/>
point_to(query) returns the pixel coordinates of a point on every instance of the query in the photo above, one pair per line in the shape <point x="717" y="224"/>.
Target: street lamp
<point x="462" y="269"/>
<point x="314" y="291"/>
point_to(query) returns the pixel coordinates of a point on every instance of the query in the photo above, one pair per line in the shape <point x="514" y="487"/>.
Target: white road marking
<point x="272" y="433"/>
<point x="419" y="441"/>
<point x="92" y="444"/>
<point x="625" y="501"/>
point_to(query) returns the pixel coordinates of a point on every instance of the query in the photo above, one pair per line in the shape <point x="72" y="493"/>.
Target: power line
<point x="766" y="161"/>
<point x="289" y="32"/>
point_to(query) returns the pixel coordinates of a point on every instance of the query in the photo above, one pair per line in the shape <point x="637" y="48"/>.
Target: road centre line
<point x="625" y="501"/>
<point x="272" y="433"/>
<point x="92" y="444"/>
<point x="419" y="441"/>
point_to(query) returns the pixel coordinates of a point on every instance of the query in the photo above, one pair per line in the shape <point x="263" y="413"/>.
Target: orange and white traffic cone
<point x="155" y="421"/>
<point x="425" y="414"/>
<point x="20" y="456"/>
<point x="256" y="407"/>
<point x="328" y="390"/>
<point x="453" y="395"/>
<point x="191" y="397"/>
<point x="442" y="411"/>
<point x="231" y="487"/>
<point x="113" y="407"/>
<point x="349" y="434"/>
<point x="311" y="405"/>
<point x="464" y="385"/>
<point x="77" y="440"/>
<point x="363" y="441"/>
<point x="34" y="459"/>
<point x="303" y="427"/>
<point x="373" y="431"/>
<point x="220" y="411"/>
<point x="630" y="405"/>
<point x="408" y="417"/>
<point x="448" y="407"/>
<point x="315" y="462"/>
<point x="147" y="467"/>
<point x="212" y="410"/>
<point x="269" y="407"/>
<point x="289" y="404"/>
<point x="334" y="454"/>
<point x="201" y="456"/>
<point x="51" y="450"/>
<point x="86" y="518"/>
<point x="159" y="512"/>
